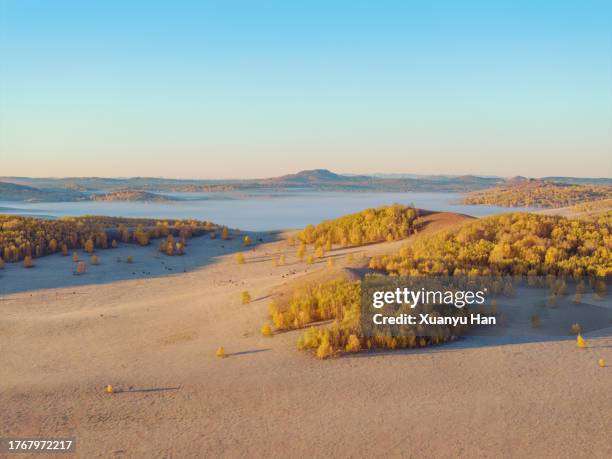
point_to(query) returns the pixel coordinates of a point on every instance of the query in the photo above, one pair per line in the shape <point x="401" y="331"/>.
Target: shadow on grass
<point x="470" y="342"/>
<point x="252" y="351"/>
<point x="154" y="389"/>
<point x="55" y="271"/>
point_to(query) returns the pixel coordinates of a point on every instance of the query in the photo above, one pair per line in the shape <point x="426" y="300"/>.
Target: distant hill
<point x="82" y="188"/>
<point x="14" y="192"/>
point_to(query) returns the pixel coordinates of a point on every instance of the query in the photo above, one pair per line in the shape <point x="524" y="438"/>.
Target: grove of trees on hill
<point x="505" y="247"/>
<point x="388" y="223"/>
<point x="515" y="243"/>
<point x="22" y="237"/>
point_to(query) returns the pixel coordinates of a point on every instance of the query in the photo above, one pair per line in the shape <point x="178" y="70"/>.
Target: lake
<point x="256" y="211"/>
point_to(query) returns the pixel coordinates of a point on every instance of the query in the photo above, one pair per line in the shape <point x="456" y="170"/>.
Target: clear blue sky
<point x="260" y="88"/>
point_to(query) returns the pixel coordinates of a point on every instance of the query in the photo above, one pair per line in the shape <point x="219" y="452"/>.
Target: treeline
<point x="515" y="243"/>
<point x="388" y="223"/>
<point x="22" y="237"/>
<point x="540" y="194"/>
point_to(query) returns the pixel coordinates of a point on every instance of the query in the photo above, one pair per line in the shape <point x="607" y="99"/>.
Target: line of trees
<point x="22" y="237"/>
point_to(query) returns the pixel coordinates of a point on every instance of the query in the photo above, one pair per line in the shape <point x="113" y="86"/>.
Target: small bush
<point x="301" y="252"/>
<point x="81" y="268"/>
<point x="353" y="344"/>
<point x="239" y="258"/>
<point x="220" y="352"/>
<point x="266" y="330"/>
<point x="324" y="350"/>
<point x="310" y="260"/>
<point x="245" y="297"/>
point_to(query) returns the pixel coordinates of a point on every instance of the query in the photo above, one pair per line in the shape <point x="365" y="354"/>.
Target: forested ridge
<point x="539" y="194"/>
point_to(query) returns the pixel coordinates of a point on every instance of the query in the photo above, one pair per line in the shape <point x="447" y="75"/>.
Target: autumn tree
<point x="27" y="261"/>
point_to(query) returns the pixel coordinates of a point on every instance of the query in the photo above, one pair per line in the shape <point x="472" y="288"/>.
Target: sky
<point x="241" y="89"/>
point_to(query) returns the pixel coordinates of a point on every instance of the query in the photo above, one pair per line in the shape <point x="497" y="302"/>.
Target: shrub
<point x="245" y="297"/>
<point x="220" y="352"/>
<point x="310" y="260"/>
<point x="353" y="344"/>
<point x="301" y="251"/>
<point x="27" y="261"/>
<point x="325" y="349"/>
<point x="266" y="330"/>
<point x="239" y="258"/>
